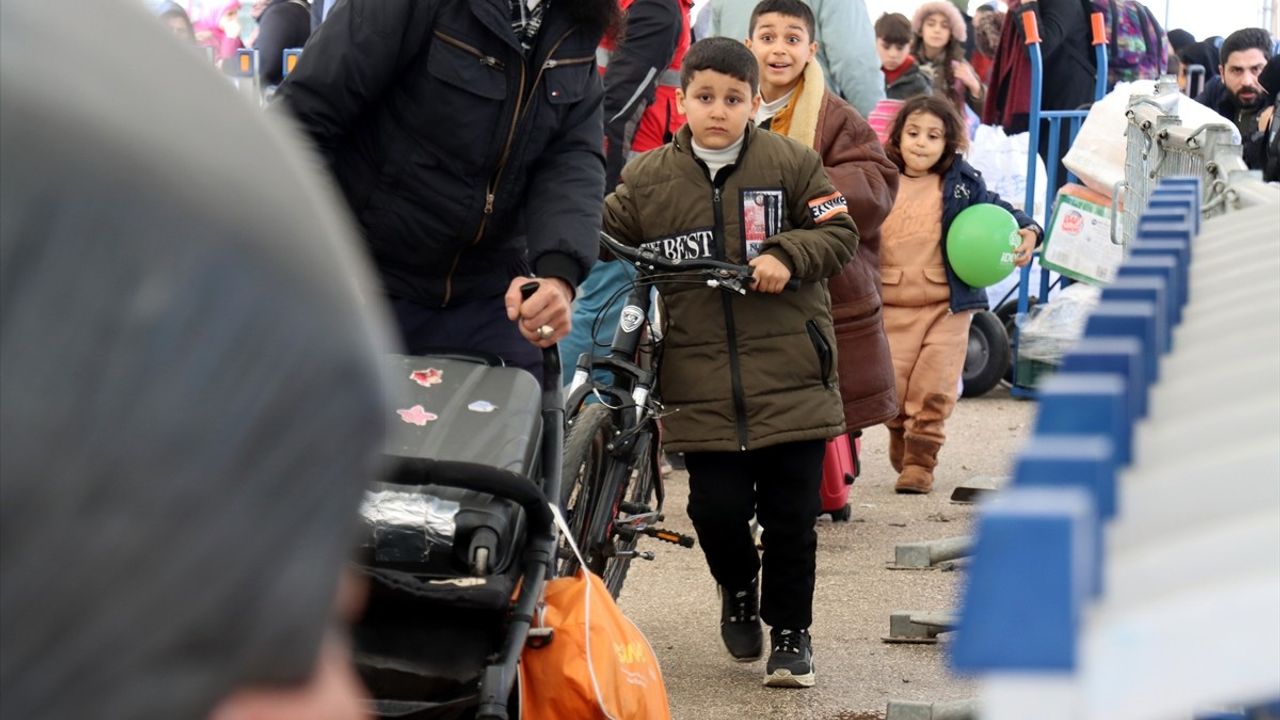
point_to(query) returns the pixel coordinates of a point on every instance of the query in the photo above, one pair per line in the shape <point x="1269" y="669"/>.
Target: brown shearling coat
<point x="856" y="164"/>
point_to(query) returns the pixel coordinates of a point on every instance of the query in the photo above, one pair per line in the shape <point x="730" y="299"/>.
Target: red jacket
<point x="641" y="75"/>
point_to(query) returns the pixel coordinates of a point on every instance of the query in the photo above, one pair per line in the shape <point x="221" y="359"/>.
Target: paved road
<point x="673" y="599"/>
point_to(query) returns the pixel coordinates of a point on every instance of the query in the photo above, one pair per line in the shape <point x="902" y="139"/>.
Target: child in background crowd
<point x="927" y="308"/>
<point x="988" y="23"/>
<point x="939" y="48"/>
<point x="797" y="103"/>
<point x="903" y="77"/>
<point x="751" y="380"/>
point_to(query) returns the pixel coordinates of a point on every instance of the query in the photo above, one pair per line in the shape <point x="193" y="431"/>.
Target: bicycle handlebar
<point x="722" y="273"/>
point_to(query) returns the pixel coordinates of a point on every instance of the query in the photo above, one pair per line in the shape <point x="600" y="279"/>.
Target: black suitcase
<point x="443" y="561"/>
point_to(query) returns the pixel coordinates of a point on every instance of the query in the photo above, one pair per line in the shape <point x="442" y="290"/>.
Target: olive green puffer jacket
<point x="742" y="372"/>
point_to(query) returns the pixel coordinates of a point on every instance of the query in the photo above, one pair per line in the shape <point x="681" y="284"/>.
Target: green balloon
<point x="980" y="244"/>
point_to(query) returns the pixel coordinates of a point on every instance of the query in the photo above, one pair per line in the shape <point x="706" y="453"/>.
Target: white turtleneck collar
<point x="716" y="159"/>
<point x="769" y="109"/>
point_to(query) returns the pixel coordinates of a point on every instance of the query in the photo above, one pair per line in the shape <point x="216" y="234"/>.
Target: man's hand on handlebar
<point x="547" y="308"/>
<point x="770" y="274"/>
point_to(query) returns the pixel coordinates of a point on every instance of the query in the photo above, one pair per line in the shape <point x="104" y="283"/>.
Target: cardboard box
<point x="1078" y="242"/>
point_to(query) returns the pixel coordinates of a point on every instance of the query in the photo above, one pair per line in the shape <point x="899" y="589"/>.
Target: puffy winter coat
<point x="452" y="147"/>
<point x="742" y="372"/>
<point x="858" y="168"/>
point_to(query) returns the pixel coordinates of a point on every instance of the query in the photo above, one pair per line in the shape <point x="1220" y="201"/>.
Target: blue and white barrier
<point x="1131" y="571"/>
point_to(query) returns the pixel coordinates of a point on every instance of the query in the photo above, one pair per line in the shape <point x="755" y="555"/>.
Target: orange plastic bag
<point x="597" y="664"/>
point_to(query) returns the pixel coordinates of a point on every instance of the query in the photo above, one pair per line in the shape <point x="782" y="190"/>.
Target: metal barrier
<point x="1158" y="146"/>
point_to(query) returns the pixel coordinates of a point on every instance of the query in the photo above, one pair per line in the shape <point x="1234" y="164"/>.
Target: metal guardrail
<point x="1158" y="146"/>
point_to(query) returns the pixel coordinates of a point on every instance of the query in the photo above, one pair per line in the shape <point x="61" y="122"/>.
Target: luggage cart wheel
<point x="841" y="515"/>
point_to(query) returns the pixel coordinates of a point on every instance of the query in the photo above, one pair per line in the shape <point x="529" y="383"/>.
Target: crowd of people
<point x="470" y="147"/>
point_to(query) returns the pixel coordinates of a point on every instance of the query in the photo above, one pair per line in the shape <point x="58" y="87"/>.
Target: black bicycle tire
<point x="639" y="491"/>
<point x="591" y="427"/>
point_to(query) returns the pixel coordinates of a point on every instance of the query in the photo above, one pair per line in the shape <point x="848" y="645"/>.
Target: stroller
<point x="459" y="540"/>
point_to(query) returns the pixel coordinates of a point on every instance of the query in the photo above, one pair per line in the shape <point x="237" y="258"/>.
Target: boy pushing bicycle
<point x="751" y="379"/>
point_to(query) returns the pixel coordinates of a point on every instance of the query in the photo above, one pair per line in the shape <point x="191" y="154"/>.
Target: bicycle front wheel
<point x="587" y="460"/>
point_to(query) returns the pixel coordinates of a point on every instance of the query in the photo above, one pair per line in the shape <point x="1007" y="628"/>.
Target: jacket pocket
<point x="822" y="347"/>
<point x="567" y="78"/>
<point x="464" y="66"/>
<point x="891" y="276"/>
<point x="935" y="275"/>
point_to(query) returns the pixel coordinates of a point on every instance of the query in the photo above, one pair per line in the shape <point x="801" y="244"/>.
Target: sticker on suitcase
<point x="482" y="406"/>
<point x="417" y="415"/>
<point x="428" y="377"/>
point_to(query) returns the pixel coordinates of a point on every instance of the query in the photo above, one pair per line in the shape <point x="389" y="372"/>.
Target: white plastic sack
<point x="1054" y="327"/>
<point x="1098" y="154"/>
<point x="1002" y="160"/>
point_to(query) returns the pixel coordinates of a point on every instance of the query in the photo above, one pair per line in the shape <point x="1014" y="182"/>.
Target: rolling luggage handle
<point x="499" y="678"/>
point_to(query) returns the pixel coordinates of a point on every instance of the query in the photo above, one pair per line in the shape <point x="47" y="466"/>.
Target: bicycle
<point x="612" y="492"/>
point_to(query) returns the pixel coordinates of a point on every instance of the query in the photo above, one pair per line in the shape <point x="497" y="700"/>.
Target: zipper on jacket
<point x="735" y="370"/>
<point x="491" y="189"/>
<point x="484" y="59"/>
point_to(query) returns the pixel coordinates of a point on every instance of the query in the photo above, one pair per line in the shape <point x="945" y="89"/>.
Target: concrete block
<point x="919" y="555"/>
<point x="1028" y="582"/>
<point x="909" y="710"/>
<point x="916" y="626"/>
<point x="1088" y="404"/>
<point x="1119" y="355"/>
<point x="1179" y="250"/>
<point x="1086" y="461"/>
<point x="1165" y="267"/>
<point x="1133" y="319"/>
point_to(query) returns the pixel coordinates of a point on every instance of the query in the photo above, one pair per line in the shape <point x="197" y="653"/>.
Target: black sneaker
<point x="740" y="622"/>
<point x="791" y="662"/>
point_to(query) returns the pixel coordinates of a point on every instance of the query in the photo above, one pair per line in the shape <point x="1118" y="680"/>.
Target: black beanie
<point x="188" y="362"/>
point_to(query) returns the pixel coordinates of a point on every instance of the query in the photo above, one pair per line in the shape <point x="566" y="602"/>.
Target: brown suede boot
<point x="895" y="448"/>
<point x="919" y="458"/>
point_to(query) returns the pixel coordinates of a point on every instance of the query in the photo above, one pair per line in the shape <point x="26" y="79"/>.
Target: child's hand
<point x="965" y="73"/>
<point x="1022" y="255"/>
<point x="771" y="274"/>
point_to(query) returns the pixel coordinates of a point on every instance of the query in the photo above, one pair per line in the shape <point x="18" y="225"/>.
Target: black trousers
<point x="477" y="326"/>
<point x="779" y="485"/>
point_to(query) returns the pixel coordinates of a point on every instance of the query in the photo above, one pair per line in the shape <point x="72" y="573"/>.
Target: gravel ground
<point x="673" y="599"/>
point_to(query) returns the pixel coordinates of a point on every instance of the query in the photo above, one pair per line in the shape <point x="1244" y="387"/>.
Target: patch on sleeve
<point x="826" y="207"/>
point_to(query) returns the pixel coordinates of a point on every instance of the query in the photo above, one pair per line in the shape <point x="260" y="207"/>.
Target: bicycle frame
<point x="631" y="383"/>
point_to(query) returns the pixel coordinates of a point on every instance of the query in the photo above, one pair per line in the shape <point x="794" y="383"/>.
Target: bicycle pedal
<point x="670" y="536"/>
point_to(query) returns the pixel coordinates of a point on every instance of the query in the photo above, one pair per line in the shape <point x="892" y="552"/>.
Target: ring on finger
<point x="545" y="332"/>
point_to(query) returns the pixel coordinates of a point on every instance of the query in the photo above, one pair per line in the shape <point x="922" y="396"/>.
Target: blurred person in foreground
<point x="192" y="401"/>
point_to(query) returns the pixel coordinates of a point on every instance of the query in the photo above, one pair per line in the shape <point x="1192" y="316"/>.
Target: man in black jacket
<point x="282" y="24"/>
<point x="466" y="136"/>
<point x="1240" y="97"/>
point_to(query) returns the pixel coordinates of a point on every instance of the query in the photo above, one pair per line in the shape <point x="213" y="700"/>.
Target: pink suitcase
<point x="839" y="470"/>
